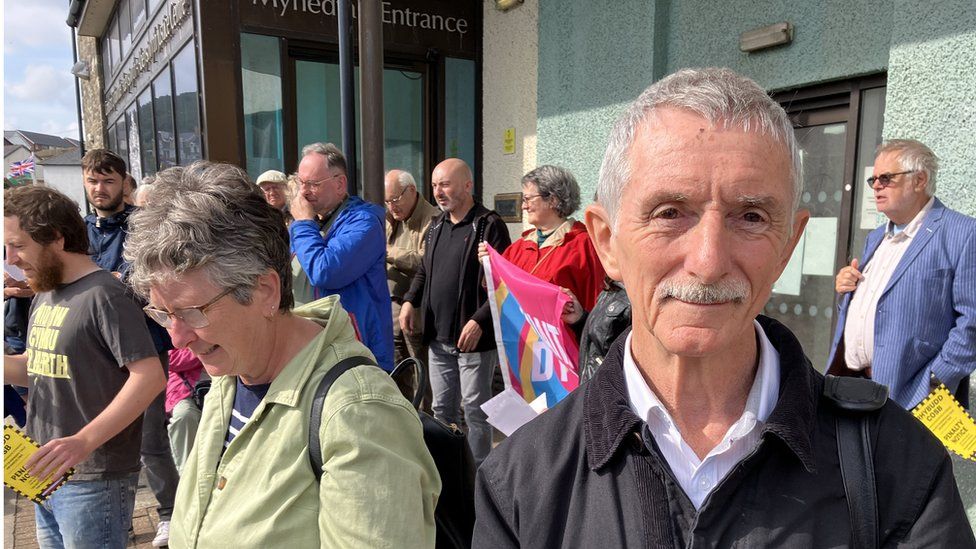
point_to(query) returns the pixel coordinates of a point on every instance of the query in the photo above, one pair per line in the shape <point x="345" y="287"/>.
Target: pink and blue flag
<point x="536" y="350"/>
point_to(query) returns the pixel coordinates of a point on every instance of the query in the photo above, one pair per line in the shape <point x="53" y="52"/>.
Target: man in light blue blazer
<point x="907" y="313"/>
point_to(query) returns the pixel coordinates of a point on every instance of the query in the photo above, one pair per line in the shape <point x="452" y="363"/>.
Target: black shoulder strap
<point x="315" y="417"/>
<point x="856" y="398"/>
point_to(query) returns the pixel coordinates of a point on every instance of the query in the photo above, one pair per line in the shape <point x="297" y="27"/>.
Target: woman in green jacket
<point x="212" y="258"/>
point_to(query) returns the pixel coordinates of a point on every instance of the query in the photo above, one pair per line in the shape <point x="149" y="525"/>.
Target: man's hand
<point x="848" y="278"/>
<point x="482" y="250"/>
<point x="300" y="208"/>
<point x="470" y="335"/>
<point x="57" y="456"/>
<point x="16" y="291"/>
<point x="406" y="318"/>
<point x="572" y="311"/>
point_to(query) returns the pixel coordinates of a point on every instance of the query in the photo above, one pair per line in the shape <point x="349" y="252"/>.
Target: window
<point x="125" y="28"/>
<point x="112" y="139"/>
<point x="459" y="110"/>
<point x="132" y="132"/>
<point x="121" y="142"/>
<point x="146" y="141"/>
<point x="261" y="80"/>
<point x="187" y="106"/>
<point x="113" y="44"/>
<point x="137" y="10"/>
<point x="162" y="90"/>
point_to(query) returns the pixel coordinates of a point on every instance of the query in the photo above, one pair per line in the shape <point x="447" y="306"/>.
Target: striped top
<point x="246" y="400"/>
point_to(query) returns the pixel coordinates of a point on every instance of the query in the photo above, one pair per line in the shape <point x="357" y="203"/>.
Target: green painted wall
<point x="932" y="90"/>
<point x="590" y="67"/>
<point x="833" y="39"/>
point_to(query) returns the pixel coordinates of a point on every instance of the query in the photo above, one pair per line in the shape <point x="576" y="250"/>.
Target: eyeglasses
<point x="193" y="317"/>
<point x="530" y="197"/>
<point x="396" y="200"/>
<point x="885" y="179"/>
<point x="314" y="184"/>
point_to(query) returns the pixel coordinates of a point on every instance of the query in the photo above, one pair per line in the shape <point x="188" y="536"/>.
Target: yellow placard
<point x="943" y="415"/>
<point x="17" y="447"/>
<point x="508" y="143"/>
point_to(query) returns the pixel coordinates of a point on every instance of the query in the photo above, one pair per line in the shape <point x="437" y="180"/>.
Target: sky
<point x="38" y="88"/>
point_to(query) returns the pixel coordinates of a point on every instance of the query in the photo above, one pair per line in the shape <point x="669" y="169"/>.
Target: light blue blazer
<point x="926" y="316"/>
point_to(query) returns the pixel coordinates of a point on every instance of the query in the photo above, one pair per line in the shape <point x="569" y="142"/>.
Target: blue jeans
<point x="463" y="380"/>
<point x="87" y="514"/>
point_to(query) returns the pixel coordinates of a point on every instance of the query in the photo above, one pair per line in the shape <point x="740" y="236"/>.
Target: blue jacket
<point x="106" y="238"/>
<point x="926" y="317"/>
<point x="351" y="261"/>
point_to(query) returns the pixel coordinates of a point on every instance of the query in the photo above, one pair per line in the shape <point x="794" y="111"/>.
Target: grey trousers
<point x="463" y="380"/>
<point x="156" y="455"/>
<point x="183" y="423"/>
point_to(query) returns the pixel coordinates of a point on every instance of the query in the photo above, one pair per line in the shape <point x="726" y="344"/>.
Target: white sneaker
<point x="162" y="534"/>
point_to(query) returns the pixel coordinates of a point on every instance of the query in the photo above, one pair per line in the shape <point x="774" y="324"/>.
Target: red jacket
<point x="183" y="365"/>
<point x="567" y="258"/>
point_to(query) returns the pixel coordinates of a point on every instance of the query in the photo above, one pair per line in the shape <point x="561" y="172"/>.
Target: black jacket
<point x="588" y="474"/>
<point x="486" y="226"/>
<point x="609" y="318"/>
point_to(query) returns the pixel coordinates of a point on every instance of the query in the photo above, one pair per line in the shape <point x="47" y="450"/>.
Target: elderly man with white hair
<point x="707" y="425"/>
<point x="408" y="216"/>
<point x="908" y="304"/>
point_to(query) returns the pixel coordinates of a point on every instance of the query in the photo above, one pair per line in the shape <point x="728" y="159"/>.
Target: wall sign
<point x="448" y="25"/>
<point x="508" y="141"/>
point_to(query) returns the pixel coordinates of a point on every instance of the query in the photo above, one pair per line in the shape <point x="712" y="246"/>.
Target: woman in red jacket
<point x="557" y="249"/>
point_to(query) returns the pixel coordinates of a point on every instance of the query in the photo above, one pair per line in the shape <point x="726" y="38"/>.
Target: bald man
<point x="462" y="355"/>
<point x="408" y="216"/>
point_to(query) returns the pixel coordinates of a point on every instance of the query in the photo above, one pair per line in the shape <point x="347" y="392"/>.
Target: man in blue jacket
<point x="339" y="242"/>
<point x="907" y="311"/>
<point x="104" y="175"/>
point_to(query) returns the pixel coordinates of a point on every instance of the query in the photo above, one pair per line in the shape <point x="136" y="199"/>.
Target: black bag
<point x="454" y="514"/>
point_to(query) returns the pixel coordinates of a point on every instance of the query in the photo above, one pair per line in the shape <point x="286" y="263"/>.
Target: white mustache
<point x="691" y="291"/>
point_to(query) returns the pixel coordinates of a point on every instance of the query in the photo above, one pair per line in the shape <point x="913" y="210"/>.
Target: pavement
<point x="18" y="519"/>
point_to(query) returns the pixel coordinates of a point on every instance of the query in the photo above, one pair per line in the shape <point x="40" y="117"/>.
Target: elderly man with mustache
<point x="706" y="425"/>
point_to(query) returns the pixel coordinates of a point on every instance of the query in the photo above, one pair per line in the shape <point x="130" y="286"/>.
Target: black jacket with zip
<point x="486" y="225"/>
<point x="588" y="473"/>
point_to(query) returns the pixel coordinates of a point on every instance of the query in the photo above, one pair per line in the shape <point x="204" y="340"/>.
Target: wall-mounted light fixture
<point x="766" y="37"/>
<point x="505" y="5"/>
<point x="81" y="70"/>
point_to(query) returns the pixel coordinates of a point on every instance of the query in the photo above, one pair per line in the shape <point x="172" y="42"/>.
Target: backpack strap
<point x="315" y="417"/>
<point x="856" y="398"/>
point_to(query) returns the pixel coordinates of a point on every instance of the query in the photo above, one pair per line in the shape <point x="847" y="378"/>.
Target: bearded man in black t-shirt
<point x="91" y="368"/>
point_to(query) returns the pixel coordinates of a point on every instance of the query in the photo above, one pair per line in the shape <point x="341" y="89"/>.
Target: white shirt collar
<point x="912" y="227"/>
<point x="759" y="404"/>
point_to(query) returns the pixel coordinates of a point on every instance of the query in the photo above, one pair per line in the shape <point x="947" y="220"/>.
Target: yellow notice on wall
<point x="943" y="415"/>
<point x="508" y="142"/>
<point x="17" y="447"/>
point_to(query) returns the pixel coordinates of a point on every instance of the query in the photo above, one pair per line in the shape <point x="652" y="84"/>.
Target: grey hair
<point x="404" y="180"/>
<point x="208" y="216"/>
<point x="557" y="185"/>
<point x="718" y="95"/>
<point x="914" y="156"/>
<point x="332" y="154"/>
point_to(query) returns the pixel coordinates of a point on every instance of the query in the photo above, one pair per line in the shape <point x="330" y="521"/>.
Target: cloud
<point x="35" y="24"/>
<point x="43" y="84"/>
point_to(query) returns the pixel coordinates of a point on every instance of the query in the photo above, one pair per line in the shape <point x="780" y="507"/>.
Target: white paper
<point x="820" y="246"/>
<point x="13" y="271"/>
<point x="870" y="216"/>
<point x="789" y="281"/>
<point x="508" y="411"/>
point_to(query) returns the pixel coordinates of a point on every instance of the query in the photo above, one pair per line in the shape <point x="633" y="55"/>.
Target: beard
<point x="108" y="204"/>
<point x="48" y="272"/>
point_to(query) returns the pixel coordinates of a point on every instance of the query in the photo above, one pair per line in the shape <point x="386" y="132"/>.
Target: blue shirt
<point x="245" y="402"/>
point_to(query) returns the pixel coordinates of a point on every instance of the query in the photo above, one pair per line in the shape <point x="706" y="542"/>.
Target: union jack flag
<point x="23" y="167"/>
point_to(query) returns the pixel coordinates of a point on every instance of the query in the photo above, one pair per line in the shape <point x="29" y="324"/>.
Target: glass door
<point x="317" y="113"/>
<point x="803" y="297"/>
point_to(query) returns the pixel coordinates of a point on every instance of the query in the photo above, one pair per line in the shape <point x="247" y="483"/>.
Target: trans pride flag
<point x="537" y="352"/>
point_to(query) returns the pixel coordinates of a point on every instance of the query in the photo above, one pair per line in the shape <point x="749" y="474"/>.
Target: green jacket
<point x="379" y="484"/>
